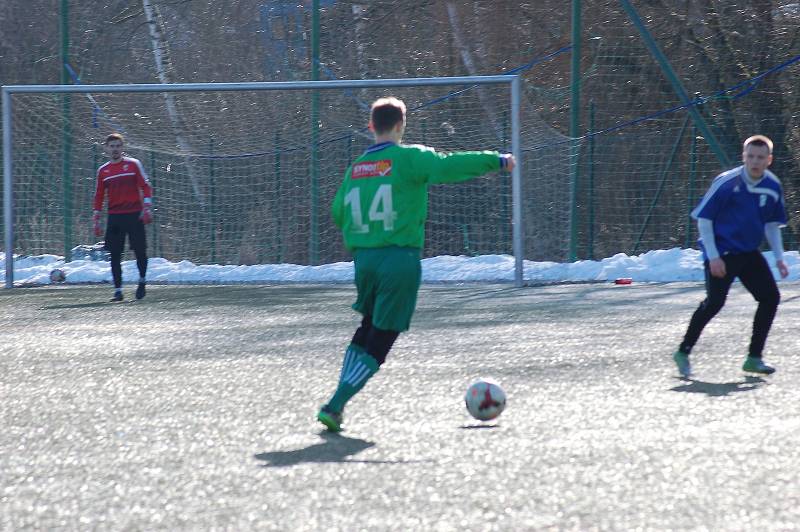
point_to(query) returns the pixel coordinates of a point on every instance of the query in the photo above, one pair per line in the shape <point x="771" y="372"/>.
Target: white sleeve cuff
<point x="706" y="229"/>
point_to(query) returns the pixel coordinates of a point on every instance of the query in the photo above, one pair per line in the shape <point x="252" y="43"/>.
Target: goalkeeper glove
<point x="98" y="230"/>
<point x="147" y="214"/>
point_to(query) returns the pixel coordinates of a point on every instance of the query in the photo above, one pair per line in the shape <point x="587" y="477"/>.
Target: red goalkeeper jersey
<point x="127" y="185"/>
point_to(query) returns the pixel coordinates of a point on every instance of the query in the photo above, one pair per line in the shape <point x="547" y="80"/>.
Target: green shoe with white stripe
<point x="332" y="420"/>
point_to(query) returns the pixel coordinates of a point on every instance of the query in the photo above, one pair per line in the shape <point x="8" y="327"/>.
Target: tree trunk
<point x="466" y="57"/>
<point x="164" y="70"/>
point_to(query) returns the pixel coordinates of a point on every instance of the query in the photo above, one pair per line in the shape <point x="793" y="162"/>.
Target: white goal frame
<point x="513" y="81"/>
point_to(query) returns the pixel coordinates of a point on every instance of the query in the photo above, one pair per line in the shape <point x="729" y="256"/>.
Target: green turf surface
<point x="194" y="409"/>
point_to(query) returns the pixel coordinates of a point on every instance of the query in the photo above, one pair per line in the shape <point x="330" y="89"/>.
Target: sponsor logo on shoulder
<point x="366" y="169"/>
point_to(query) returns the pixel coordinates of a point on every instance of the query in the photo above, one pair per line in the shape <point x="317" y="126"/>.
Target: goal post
<point x="8" y="201"/>
<point x="234" y="184"/>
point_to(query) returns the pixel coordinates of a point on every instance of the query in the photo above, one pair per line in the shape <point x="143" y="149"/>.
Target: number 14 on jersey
<point x="380" y="209"/>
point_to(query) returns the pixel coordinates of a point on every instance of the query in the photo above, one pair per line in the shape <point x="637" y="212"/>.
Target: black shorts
<point x="120" y="225"/>
<point x="752" y="270"/>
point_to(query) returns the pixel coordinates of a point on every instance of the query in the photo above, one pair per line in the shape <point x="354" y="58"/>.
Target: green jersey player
<point x="381" y="208"/>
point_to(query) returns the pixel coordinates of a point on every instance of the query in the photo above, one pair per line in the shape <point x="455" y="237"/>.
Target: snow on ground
<point x="668" y="265"/>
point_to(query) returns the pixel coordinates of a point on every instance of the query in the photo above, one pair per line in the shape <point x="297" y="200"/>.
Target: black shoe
<point x="117" y="296"/>
<point x="140" y="291"/>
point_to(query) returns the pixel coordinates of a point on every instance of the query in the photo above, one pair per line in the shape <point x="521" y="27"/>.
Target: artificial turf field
<point x="194" y="409"/>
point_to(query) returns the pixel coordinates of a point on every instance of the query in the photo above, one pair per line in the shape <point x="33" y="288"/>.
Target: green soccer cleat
<point x="682" y="361"/>
<point x="756" y="365"/>
<point x="332" y="420"/>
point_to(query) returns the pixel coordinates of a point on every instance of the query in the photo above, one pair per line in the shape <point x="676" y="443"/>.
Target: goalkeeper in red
<point x="381" y="208"/>
<point x="130" y="199"/>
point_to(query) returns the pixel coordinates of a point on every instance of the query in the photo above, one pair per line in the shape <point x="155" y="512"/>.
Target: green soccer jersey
<point x="383" y="200"/>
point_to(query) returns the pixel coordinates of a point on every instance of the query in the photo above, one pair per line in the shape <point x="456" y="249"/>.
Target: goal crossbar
<point x="264" y="85"/>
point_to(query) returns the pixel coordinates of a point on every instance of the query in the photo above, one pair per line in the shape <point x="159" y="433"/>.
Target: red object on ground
<point x="623" y="280"/>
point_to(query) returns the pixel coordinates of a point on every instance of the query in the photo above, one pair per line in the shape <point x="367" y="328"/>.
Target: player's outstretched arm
<point x="461" y="165"/>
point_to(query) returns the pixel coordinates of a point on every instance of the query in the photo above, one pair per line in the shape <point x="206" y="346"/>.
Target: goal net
<point x="240" y="176"/>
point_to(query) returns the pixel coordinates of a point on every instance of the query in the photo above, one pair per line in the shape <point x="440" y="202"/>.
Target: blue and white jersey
<point x="741" y="210"/>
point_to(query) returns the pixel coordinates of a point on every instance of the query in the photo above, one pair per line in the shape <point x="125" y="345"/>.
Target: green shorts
<point x="387" y="280"/>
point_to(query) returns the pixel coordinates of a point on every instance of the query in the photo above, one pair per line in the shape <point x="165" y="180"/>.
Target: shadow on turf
<point x="719" y="389"/>
<point x="335" y="448"/>
<point x="86" y="305"/>
<point x="480" y="426"/>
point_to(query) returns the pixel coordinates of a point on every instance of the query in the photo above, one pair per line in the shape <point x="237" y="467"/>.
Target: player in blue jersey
<point x="742" y="206"/>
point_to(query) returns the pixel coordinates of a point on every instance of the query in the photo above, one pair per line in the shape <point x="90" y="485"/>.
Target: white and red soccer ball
<point x="485" y="399"/>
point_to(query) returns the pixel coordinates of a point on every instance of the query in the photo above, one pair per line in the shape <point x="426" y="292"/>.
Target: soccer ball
<point x="485" y="399"/>
<point x="58" y="276"/>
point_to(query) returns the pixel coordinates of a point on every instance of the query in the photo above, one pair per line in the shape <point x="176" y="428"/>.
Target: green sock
<point x="352" y="352"/>
<point x="362" y="369"/>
